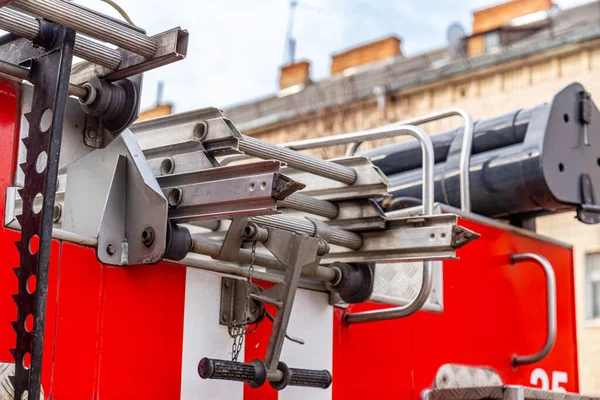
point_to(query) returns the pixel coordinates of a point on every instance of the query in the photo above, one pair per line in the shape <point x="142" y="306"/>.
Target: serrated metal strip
<point x="50" y="77"/>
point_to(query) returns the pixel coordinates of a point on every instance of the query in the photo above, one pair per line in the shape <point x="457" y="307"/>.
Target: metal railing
<point x="550" y="309"/>
<point x="465" y="151"/>
<point x="355" y="139"/>
<point x="427" y="281"/>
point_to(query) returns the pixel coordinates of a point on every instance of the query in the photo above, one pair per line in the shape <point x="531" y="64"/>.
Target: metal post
<point x="89" y="23"/>
<point x="211" y="248"/>
<point x="23" y="74"/>
<point x="207" y="264"/>
<point x="299" y="161"/>
<point x="427" y="281"/>
<point x="339" y="237"/>
<point x="550" y="308"/>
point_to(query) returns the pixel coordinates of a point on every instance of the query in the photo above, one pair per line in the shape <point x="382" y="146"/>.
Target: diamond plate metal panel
<point x="461" y="376"/>
<point x="399" y="283"/>
<point x="6" y="389"/>
<point x="502" y="393"/>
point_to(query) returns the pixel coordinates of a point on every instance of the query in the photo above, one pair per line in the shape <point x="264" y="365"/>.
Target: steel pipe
<point x="23" y="74"/>
<point x="339" y="237"/>
<point x="299" y="161"/>
<point x="300" y="202"/>
<point x="89" y="23"/>
<point x="199" y="262"/>
<point x="28" y="27"/>
<point x="427" y="279"/>
<point x="550" y="308"/>
<point x="201" y="245"/>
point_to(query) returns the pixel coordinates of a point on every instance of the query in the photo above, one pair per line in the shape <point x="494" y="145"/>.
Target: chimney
<point x="160" y="109"/>
<point x="488" y="20"/>
<point x="378" y="50"/>
<point x="294" y="74"/>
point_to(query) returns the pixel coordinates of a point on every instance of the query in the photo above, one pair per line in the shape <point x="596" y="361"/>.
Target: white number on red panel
<point x="539" y="378"/>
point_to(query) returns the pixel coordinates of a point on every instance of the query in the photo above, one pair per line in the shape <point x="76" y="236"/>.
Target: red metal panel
<point x="120" y="329"/>
<point x="142" y="332"/>
<point x="9" y="109"/>
<point x="372" y="360"/>
<point x="492" y="310"/>
<point x="255" y="346"/>
<point x="78" y="325"/>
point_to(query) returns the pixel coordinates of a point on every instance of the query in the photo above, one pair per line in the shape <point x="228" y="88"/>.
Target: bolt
<point x="253" y="310"/>
<point x="225" y="317"/>
<point x="148" y="237"/>
<point x="110" y="249"/>
<point x="91" y="134"/>
<point x="323" y="248"/>
<point x="255" y="233"/>
<point x="57" y="213"/>
<point x="227" y="284"/>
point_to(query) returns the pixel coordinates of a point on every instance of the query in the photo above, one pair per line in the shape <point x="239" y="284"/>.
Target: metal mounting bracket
<point x="106" y="190"/>
<point x="233" y="302"/>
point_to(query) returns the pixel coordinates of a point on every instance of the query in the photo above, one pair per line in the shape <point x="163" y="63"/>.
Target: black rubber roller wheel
<point x="356" y="282"/>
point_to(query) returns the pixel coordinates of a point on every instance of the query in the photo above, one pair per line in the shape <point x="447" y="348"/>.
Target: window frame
<point x="591" y="277"/>
<point x="492" y="48"/>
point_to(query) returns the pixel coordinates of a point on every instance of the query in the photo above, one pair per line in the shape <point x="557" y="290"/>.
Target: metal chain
<point x="237" y="330"/>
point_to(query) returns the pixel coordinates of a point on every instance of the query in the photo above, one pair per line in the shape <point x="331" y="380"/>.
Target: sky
<point x="237" y="46"/>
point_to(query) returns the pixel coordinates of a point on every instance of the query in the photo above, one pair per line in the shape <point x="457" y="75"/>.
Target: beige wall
<point x="488" y="93"/>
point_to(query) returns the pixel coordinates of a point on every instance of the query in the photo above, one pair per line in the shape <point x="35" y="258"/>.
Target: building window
<point x="491" y="42"/>
<point x="592" y="286"/>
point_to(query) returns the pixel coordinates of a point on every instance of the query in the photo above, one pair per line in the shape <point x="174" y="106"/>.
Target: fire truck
<point x="177" y="258"/>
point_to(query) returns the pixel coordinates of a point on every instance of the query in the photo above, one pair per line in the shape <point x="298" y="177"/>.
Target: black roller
<point x="524" y="163"/>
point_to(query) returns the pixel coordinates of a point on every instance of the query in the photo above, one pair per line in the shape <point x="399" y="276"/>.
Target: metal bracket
<point x="106" y="190"/>
<point x="322" y="232"/>
<point x="360" y="215"/>
<point x="226" y="192"/>
<point x="588" y="211"/>
<point x="409" y="238"/>
<point x="233" y="302"/>
<point x="585" y="114"/>
<point x="294" y="251"/>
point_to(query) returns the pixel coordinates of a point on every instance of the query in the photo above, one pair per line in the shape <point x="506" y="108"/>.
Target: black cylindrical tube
<point x="488" y="134"/>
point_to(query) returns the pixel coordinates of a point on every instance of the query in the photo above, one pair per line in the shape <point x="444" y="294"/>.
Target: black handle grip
<point x="310" y="378"/>
<point x="254" y="372"/>
<point x="302" y="377"/>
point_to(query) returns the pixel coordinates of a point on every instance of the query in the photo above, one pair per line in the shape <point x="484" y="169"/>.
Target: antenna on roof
<point x="159" y="92"/>
<point x="289" y="54"/>
<point x="456" y="35"/>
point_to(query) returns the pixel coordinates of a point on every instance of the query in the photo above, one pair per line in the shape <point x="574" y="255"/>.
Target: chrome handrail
<point x="550" y="309"/>
<point x="465" y="151"/>
<point x="417" y="303"/>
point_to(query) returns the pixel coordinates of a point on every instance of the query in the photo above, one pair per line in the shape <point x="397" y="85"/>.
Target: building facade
<point x="519" y="55"/>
